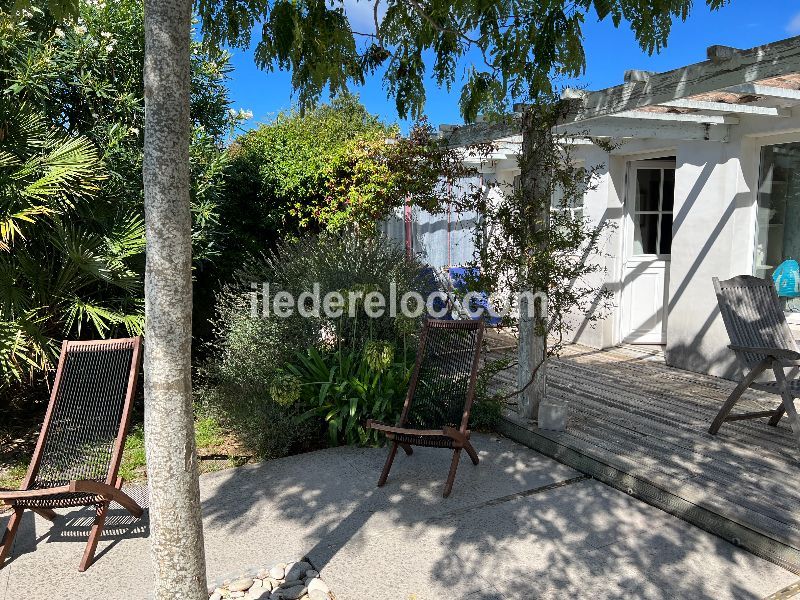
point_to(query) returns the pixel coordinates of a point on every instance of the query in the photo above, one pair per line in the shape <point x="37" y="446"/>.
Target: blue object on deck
<point x="459" y="277"/>
<point x="787" y="279"/>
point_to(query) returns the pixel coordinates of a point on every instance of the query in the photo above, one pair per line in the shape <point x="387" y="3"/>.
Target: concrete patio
<point x="518" y="526"/>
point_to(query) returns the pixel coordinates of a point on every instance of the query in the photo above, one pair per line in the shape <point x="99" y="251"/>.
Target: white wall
<point x="713" y="232"/>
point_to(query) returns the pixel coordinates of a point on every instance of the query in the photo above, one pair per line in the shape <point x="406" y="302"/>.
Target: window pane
<point x="644" y="235"/>
<point x="778" y="218"/>
<point x="665" y="244"/>
<point x="669" y="190"/>
<point x="648" y="189"/>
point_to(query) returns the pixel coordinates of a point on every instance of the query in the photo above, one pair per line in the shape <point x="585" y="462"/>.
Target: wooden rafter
<point x="768" y="91"/>
<point x="729" y="70"/>
<point x="644" y="115"/>
<point x="725" y="107"/>
<point x="725" y="69"/>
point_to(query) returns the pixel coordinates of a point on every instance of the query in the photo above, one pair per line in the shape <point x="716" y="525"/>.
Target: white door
<point x="648" y="244"/>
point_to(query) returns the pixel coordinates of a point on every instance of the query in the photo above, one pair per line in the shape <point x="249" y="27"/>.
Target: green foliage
<point x="55" y="276"/>
<point x="248" y="380"/>
<point x="208" y="435"/>
<point x="71" y="143"/>
<point x="328" y="168"/>
<point x="346" y="387"/>
<point x="488" y="405"/>
<point x="538" y="240"/>
<point x="523" y="45"/>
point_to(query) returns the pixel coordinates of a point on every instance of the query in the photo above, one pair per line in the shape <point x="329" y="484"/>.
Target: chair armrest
<point x="779" y="353"/>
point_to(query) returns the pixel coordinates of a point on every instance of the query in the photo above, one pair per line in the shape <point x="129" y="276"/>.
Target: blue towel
<point x="787" y="279"/>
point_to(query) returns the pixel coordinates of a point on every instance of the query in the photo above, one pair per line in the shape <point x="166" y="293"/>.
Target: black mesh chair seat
<point x="64" y="500"/>
<point x="80" y="446"/>
<point x="440" y="394"/>
<point x="428" y="441"/>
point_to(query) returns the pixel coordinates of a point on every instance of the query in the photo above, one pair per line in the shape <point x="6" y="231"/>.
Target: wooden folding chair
<point x="79" y="449"/>
<point x="440" y="395"/>
<point x="762" y="340"/>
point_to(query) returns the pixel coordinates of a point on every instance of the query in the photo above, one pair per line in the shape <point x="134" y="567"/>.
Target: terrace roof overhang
<point x="702" y="101"/>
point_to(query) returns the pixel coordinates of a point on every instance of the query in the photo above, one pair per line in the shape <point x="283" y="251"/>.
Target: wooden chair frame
<point x="460" y="436"/>
<point x="102" y="493"/>
<point x="772" y="358"/>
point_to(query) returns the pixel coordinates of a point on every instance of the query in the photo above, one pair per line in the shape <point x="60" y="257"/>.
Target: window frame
<point x="662" y="165"/>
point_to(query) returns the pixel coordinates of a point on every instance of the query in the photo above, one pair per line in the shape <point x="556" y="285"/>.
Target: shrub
<point x="71" y="147"/>
<point x="488" y="405"/>
<point x="246" y="377"/>
<point x="345" y="388"/>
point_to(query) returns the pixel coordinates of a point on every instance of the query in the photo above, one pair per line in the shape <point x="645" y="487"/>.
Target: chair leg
<point x="735" y="395"/>
<point x="407" y="449"/>
<point x="388" y="466"/>
<point x="94" y="537"/>
<point x="776" y="418"/>
<point x="788" y="400"/>
<point x="470" y="449"/>
<point x="7" y="542"/>
<point x="448" y="486"/>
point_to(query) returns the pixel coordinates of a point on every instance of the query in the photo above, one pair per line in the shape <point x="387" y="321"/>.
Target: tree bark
<point x="532" y="349"/>
<point x="176" y="529"/>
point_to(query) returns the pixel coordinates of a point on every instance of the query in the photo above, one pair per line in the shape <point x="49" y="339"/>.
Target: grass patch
<point x="209" y="437"/>
<point x="11" y="477"/>
<point x="208" y="434"/>
<point x="133" y="463"/>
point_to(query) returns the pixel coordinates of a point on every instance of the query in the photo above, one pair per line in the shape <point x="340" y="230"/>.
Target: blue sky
<point x="610" y="51"/>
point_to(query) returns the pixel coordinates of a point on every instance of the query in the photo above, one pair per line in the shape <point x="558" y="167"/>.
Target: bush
<point x="246" y="378"/>
<point x="345" y="388"/>
<point x="488" y="406"/>
<point x="71" y="147"/>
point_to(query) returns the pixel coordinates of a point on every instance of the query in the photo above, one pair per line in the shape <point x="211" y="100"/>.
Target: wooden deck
<point x="642" y="427"/>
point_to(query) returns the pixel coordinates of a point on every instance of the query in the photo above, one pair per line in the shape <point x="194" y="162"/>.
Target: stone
<point x="241" y="585"/>
<point x="258" y="583"/>
<point x="215" y="596"/>
<point x="260" y="593"/>
<point x="317" y="595"/>
<point x="290" y="583"/>
<point x="293" y="593"/>
<point x="318" y="584"/>
<point x="277" y="572"/>
<point x="271" y="583"/>
<point x="311" y="573"/>
<point x="262" y="574"/>
<point x="236" y="595"/>
<point x="297" y="570"/>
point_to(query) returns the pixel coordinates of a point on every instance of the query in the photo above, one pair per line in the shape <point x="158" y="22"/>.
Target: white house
<point x="704" y="181"/>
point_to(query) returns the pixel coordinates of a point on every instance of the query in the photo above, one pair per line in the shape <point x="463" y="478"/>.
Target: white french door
<point x="648" y="245"/>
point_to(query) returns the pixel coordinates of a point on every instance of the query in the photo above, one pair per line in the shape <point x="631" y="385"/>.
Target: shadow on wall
<point x="696" y="338"/>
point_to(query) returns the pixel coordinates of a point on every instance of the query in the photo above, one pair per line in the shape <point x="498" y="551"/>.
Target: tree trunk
<point x="532" y="350"/>
<point x="176" y="529"/>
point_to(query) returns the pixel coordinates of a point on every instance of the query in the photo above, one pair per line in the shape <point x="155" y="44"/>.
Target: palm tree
<point x="66" y="260"/>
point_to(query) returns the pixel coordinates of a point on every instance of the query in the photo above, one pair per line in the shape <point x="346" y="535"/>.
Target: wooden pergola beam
<point x="481" y="133"/>
<point x="726" y="107"/>
<point x="616" y="127"/>
<point x="725" y="69"/>
<point x="645" y="115"/>
<point x="769" y="91"/>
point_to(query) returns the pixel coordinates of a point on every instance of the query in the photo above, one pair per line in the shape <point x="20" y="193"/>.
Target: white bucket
<point x="553" y="415"/>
